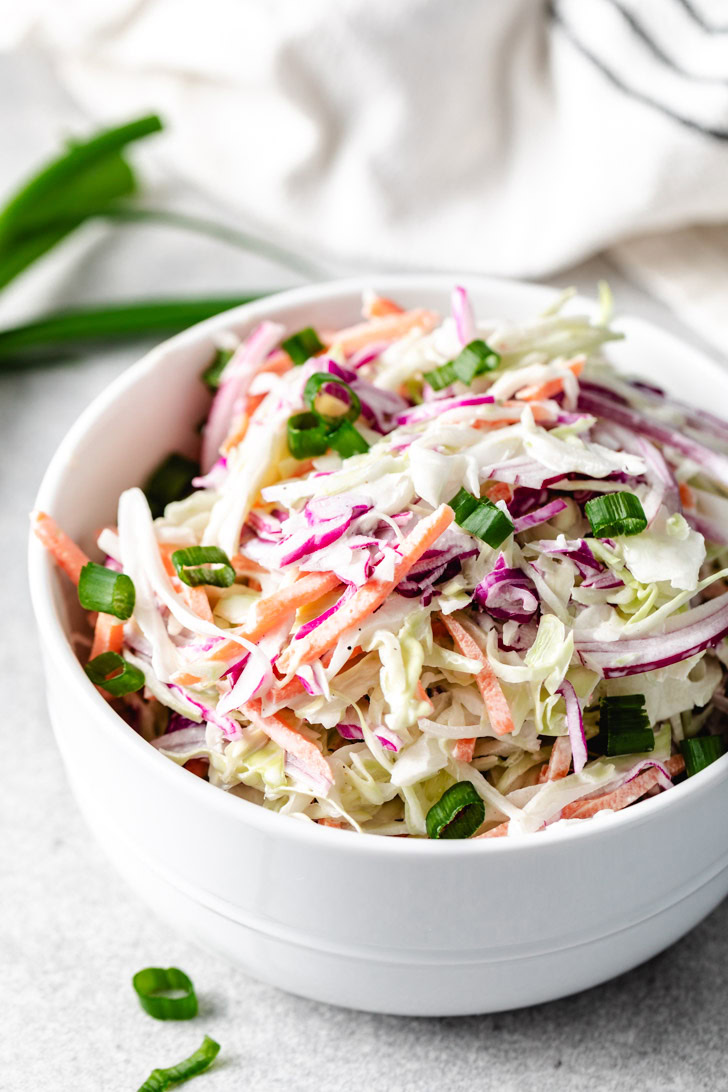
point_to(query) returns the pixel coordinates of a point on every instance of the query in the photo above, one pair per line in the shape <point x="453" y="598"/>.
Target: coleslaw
<point x="433" y="577"/>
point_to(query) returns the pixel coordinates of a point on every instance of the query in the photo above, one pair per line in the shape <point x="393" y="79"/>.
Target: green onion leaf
<point x="198" y="565"/>
<point x="347" y="440"/>
<point x="103" y="671"/>
<point x="82" y="182"/>
<point x="476" y="358"/>
<point x="102" y="589"/>
<point x="319" y="383"/>
<point x="159" y="1080"/>
<point x="213" y="372"/>
<point x="441" y="377"/>
<point x="615" y="514"/>
<point x="457" y="814"/>
<point x="700" y="751"/>
<point x="308" y="435"/>
<point x="165" y="993"/>
<point x="63" y="333"/>
<point x="624" y="727"/>
<point x="171" y="481"/>
<point x="303" y="345"/>
<point x="481" y="518"/>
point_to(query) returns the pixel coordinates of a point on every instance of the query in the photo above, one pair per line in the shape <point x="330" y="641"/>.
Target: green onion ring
<point x="159" y="1080"/>
<point x="104" y="590"/>
<point x="324" y="379"/>
<point x="457" y="814"/>
<point x="197" y="565"/>
<point x="152" y="986"/>
<point x="130" y="679"/>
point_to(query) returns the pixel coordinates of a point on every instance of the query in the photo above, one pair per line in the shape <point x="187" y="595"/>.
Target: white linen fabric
<point x="512" y="137"/>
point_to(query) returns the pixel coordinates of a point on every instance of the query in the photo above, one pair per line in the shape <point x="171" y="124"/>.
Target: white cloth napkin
<point x="511" y="137"/>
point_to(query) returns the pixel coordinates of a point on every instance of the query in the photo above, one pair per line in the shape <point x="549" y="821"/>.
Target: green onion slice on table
<point x="159" y="1080"/>
<point x="166" y="993"/>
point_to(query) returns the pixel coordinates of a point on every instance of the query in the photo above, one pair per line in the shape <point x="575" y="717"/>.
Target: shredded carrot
<point x="499" y="491"/>
<point x="627" y="794"/>
<point x="237" y="432"/>
<point x="378" y="306"/>
<point x="686" y="495"/>
<point x="64" y="551"/>
<point x="245" y="567"/>
<point x="560" y="761"/>
<point x="198" y="766"/>
<point x="326" y="822"/>
<point x="267" y="613"/>
<point x="108" y="635"/>
<point x="463" y="750"/>
<point x="538" y="391"/>
<point x="496" y="705"/>
<point x="423" y="695"/>
<point x="290" y="739"/>
<point x="386" y="328"/>
<point x="369" y="596"/>
<point x="496" y="832"/>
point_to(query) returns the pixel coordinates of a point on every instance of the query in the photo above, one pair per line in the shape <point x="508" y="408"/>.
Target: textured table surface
<point x="72" y="934"/>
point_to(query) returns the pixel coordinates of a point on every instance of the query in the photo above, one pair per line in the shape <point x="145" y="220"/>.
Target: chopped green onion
<point x="303" y="345"/>
<point x="615" y="514"/>
<point x="101" y="667"/>
<point x="321" y="380"/>
<point x="159" y="1080"/>
<point x="196" y="565"/>
<point x="481" y="518"/>
<point x="700" y="751"/>
<point x="347" y="440"/>
<point x="441" y="377"/>
<point x="624" y="727"/>
<point x="213" y="372"/>
<point x="457" y="814"/>
<point x="102" y="589"/>
<point x="308" y="435"/>
<point x="476" y="358"/>
<point x="165" y="993"/>
<point x="171" y="481"/>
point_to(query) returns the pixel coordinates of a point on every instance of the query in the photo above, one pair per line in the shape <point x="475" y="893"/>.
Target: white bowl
<point x="389" y="925"/>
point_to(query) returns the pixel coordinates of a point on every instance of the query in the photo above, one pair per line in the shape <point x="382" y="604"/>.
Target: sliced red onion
<point x="685" y="635"/>
<point x="214" y="477"/>
<point x="266" y="526"/>
<point x="699" y="419"/>
<point x="462" y="313"/>
<point x="350" y="731"/>
<point x="428" y="410"/>
<point x="248" y="359"/>
<point x="177" y="722"/>
<point x="507" y="594"/>
<point x="320" y="509"/>
<point x="575" y="724"/>
<point x="715" y="464"/>
<point x="367" y="354"/>
<point x="379" y="407"/>
<point x="304" y="542"/>
<point x="193" y="738"/>
<point x="388" y="739"/>
<point x="708" y="528"/>
<point x="575" y="550"/>
<point x="664" y="779"/>
<point x="308" y="627"/>
<point x="541" y="515"/>
<point x="603" y="582"/>
<point x="111" y="563"/>
<point x="230" y="728"/>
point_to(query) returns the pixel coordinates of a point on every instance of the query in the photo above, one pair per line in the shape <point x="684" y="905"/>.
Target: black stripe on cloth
<point x="657" y="49"/>
<point x="616" y="81"/>
<point x="696" y="16"/>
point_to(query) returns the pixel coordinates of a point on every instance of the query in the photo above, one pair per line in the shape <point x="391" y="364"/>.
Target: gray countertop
<point x="72" y="933"/>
